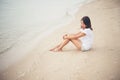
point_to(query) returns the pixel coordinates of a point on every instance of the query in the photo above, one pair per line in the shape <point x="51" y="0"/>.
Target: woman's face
<point x="83" y="25"/>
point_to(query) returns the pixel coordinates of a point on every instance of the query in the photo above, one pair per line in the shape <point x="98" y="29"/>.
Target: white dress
<point x="86" y="40"/>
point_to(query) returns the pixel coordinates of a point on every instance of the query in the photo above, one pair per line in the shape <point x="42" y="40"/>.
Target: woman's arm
<point x="74" y="36"/>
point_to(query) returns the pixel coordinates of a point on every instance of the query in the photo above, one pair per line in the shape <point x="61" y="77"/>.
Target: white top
<point x="87" y="40"/>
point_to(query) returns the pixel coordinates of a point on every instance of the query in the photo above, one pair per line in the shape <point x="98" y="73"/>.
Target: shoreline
<point x="18" y="48"/>
<point x="101" y="63"/>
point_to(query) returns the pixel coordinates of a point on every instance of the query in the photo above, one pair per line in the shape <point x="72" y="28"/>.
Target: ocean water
<point x="23" y="23"/>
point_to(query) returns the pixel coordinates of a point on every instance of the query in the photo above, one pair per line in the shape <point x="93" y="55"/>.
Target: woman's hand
<point x="66" y="36"/>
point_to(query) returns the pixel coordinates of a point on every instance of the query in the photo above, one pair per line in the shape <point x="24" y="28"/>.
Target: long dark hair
<point x="87" y="22"/>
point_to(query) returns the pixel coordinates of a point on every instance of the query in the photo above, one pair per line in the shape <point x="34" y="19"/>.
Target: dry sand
<point x="101" y="63"/>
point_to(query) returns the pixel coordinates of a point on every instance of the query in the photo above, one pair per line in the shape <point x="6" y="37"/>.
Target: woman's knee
<point x="73" y="39"/>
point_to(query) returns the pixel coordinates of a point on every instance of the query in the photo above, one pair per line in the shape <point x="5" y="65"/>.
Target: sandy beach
<point x="102" y="62"/>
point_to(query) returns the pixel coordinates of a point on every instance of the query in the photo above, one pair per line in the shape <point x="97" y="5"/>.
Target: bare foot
<point x="54" y="48"/>
<point x="57" y="50"/>
<point x="51" y="49"/>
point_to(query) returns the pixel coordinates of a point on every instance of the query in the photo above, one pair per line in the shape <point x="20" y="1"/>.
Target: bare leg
<point x="65" y="42"/>
<point x="60" y="46"/>
<point x="54" y="47"/>
<point x="77" y="43"/>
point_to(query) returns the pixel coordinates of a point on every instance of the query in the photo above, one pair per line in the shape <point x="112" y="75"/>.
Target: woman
<point x="83" y="40"/>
